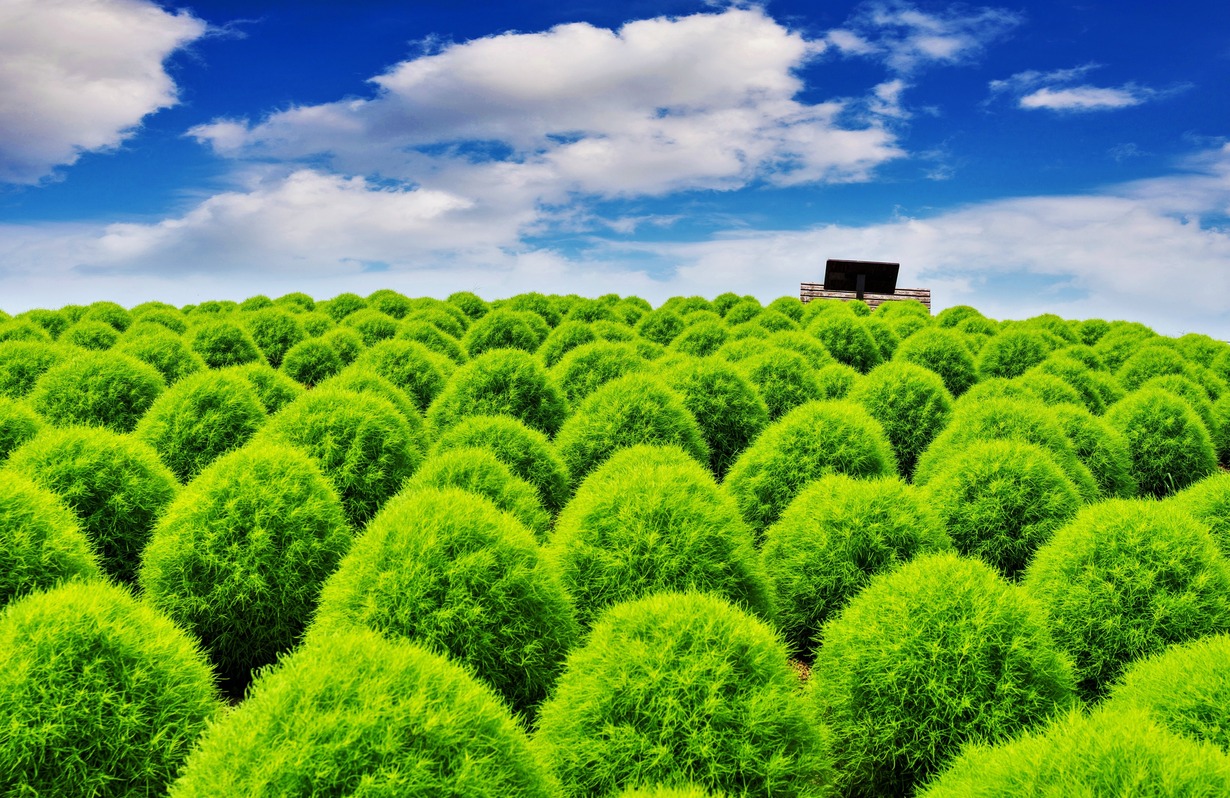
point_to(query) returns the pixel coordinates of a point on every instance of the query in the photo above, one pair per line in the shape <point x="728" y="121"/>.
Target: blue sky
<point x="1072" y="158"/>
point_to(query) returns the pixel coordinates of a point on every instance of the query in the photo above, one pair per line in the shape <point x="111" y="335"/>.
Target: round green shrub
<point x="239" y="556"/>
<point x="347" y="343"/>
<point x="660" y="326"/>
<point x="310" y="362"/>
<point x="1049" y="389"/>
<point x="1189" y="391"/>
<point x="1106" y="753"/>
<point x="18" y="424"/>
<point x="360" y="379"/>
<point x="315" y="323"/>
<point x="501" y="382"/>
<point x="631" y="410"/>
<point x="115" y="485"/>
<point x="471" y="304"/>
<point x="506" y="329"/>
<point x="40" y="541"/>
<point x="1126" y="578"/>
<point x="274" y="389"/>
<point x="257" y="302"/>
<point x="1080" y="377"/>
<point x="1103" y="450"/>
<point x="1169" y="445"/>
<point x="612" y="331"/>
<point x="801" y="343"/>
<point x="110" y="313"/>
<point x="526" y="452"/>
<point x="563" y="339"/>
<point x="1208" y="501"/>
<point x="101" y="695"/>
<point x="211" y="307"/>
<point x="362" y="443"/>
<point x="200" y="418"/>
<point x="848" y="340"/>
<point x="911" y="404"/>
<point x="701" y="339"/>
<point x="447" y="569"/>
<point x="682" y="688"/>
<point x="684" y="791"/>
<point x="977" y="331"/>
<point x="454" y="323"/>
<point x="1011" y="353"/>
<point x="952" y="316"/>
<point x="652" y="519"/>
<point x="168" y="317"/>
<point x="1221" y="429"/>
<point x="480" y="472"/>
<point x="728" y="409"/>
<point x="783" y="379"/>
<point x="359" y="715"/>
<point x="937" y="653"/>
<point x="773" y="321"/>
<point x="534" y="302"/>
<point x="832" y="538"/>
<point x="52" y="321"/>
<point x="96" y="335"/>
<point x="945" y="353"/>
<point x="223" y="343"/>
<point x="1149" y="362"/>
<point x="589" y="310"/>
<point x="23" y="330"/>
<point x="410" y="366"/>
<point x="430" y="336"/>
<point x="23" y="362"/>
<point x="789" y="306"/>
<point x="1001" y="499"/>
<point x="275" y="331"/>
<point x="590" y="366"/>
<point x="97" y="388"/>
<point x="1120" y="343"/>
<point x="812" y="440"/>
<point x="1200" y="349"/>
<point x="296" y="301"/>
<point x="885" y="337"/>
<point x="162" y="349"/>
<point x="837" y="380"/>
<point x="371" y="325"/>
<point x="390" y="302"/>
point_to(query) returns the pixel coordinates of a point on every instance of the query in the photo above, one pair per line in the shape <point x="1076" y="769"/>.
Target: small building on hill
<point x="871" y="281"/>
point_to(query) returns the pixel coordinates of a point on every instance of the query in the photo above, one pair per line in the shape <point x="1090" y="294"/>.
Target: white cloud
<point x="79" y="75"/>
<point x="1055" y="91"/>
<point x="907" y="38"/>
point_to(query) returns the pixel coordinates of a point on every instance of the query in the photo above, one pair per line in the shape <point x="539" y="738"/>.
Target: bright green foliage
<point x="1079" y="376"/>
<point x="210" y="307"/>
<point x="1006" y="419"/>
<point x="223" y="343"/>
<point x="952" y="316"/>
<point x="296" y="301"/>
<point x="311" y="361"/>
<point x="660" y="326"/>
<point x="504" y="328"/>
<point x="53" y="321"/>
<point x="449" y="570"/>
<point x="1108" y="753"/>
<point x="910" y="402"/>
<point x="411" y="367"/>
<point x="23" y="330"/>
<point x="502" y="382"/>
<point x="613" y="331"/>
<point x="1221" y="429"/>
<point x="725" y="405"/>
<point x="95" y="335"/>
<point x="257" y="302"/>
<point x="682" y="689"/>
<point x="810" y="441"/>
<point x="1090" y="331"/>
<point x="686" y="791"/>
<point x="168" y="317"/>
<point x="886" y="339"/>
<point x="848" y="339"/>
<point x="742" y="312"/>
<point x="1102" y="448"/>
<point x="589" y="310"/>
<point x="783" y="379"/>
<point x="977" y="331"/>
<point x="1011" y="353"/>
<point x="18" y="424"/>
<point x="274" y="389"/>
<point x="1125" y="579"/>
<point x="897" y="308"/>
<point x="652" y="519"/>
<point x="433" y="338"/>
<point x="1001" y="499"/>
<point x="100" y="388"/>
<point x="945" y="353"/>
<point x="806" y="345"/>
<point x="479" y="471"/>
<point x="1200" y="349"/>
<point x="1049" y="389"/>
<point x="40" y="544"/>
<point x="356" y="715"/>
<point x="1169" y="445"/>
<point x="110" y="313"/>
<point x="1149" y="362"/>
<point x="590" y="366"/>
<point x="1189" y="391"/>
<point x="361" y="379"/>
<point x="116" y="486"/>
<point x="526" y="452"/>
<point x="625" y="412"/>
<point x="342" y="305"/>
<point x="23" y="362"/>
<point x="162" y="349"/>
<point x="828" y="543"/>
<point x="1208" y="501"/>
<point x="239" y="556"/>
<point x="471" y="304"/>
<point x="364" y="445"/>
<point x="701" y="339"/>
<point x="200" y="418"/>
<point x="390" y="302"/>
<point x="1185" y="687"/>
<point x="836" y="380"/>
<point x="535" y="302"/>
<point x="448" y="319"/>
<point x="563" y="339"/>
<point x="1120" y="343"/>
<point x="940" y="652"/>
<point x="347" y="343"/>
<point x="371" y="325"/>
<point x="101" y="695"/>
<point x="275" y="331"/>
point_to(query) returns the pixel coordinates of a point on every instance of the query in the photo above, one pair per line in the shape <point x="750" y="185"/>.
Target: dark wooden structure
<point x="873" y="282"/>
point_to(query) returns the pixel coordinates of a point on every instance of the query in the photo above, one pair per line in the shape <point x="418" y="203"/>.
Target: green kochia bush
<point x="361" y="379"/>
<point x="447" y="569"/>
<point x="940" y="652"/>
<point x="660" y="326"/>
<point x="164" y="350"/>
<point x="101" y="695"/>
<point x="1169" y="445"/>
<point x="1126" y="578"/>
<point x="1012" y="353"/>
<point x="506" y="329"/>
<point x="634" y="409"/>
<point x="479" y="471"/>
<point x="563" y="339"/>
<point x="836" y="534"/>
<point x="502" y="382"/>
<point x="96" y="335"/>
<point x="848" y="339"/>
<point x="202" y="417"/>
<point x="432" y="337"/>
<point x="239" y="557"/>
<point x="274" y="331"/>
<point x="910" y="402"/>
<point x="1103" y="450"/>
<point x="1107" y="753"/>
<point x="652" y="519"/>
<point x="682" y="689"/>
<point x="371" y="325"/>
<point x="223" y="343"/>
<point x="23" y="362"/>
<point x="1208" y="501"/>
<point x="783" y="379"/>
<point x="311" y="361"/>
<point x="99" y="388"/>
<point x="40" y="542"/>
<point x="590" y="366"/>
<point x="274" y="389"/>
<point x="18" y="424"/>
<point x="725" y="405"/>
<point x="116" y="486"/>
<point x="1000" y="500"/>
<point x="945" y="353"/>
<point x="812" y="440"/>
<point x="359" y="715"/>
<point x="361" y="442"/>
<point x="526" y="452"/>
<point x="411" y="367"/>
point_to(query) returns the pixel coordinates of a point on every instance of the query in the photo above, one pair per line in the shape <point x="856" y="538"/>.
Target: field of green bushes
<point x="565" y="546"/>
